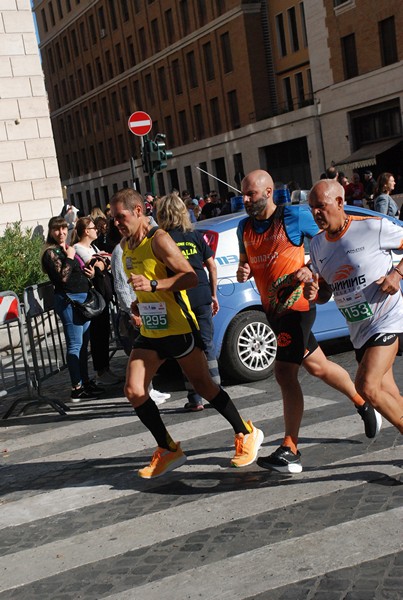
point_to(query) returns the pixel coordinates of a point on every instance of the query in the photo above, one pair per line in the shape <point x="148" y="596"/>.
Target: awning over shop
<point x="366" y="156"/>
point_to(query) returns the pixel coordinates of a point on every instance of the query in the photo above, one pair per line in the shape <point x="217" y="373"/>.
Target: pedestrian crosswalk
<point x="260" y="562"/>
<point x="76" y="521"/>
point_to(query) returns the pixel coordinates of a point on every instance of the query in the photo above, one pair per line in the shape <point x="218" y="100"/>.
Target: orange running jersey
<point x="275" y="250"/>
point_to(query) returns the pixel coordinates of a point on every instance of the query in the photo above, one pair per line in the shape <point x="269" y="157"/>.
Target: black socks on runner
<point x="224" y="405"/>
<point x="149" y="415"/>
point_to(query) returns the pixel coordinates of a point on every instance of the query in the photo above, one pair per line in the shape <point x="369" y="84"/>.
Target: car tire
<point x="249" y="348"/>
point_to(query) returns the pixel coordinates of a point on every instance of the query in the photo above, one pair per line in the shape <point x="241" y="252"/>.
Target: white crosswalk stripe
<point x="210" y="499"/>
<point x="74" y="429"/>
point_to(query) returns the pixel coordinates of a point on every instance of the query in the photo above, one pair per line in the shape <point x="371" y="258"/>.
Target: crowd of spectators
<point x="77" y="255"/>
<point x="367" y="191"/>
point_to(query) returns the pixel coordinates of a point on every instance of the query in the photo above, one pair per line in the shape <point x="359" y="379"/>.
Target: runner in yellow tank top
<point x="158" y="273"/>
<point x="163" y="313"/>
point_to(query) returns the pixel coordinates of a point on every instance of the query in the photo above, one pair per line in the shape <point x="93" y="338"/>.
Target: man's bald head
<point x="326" y="200"/>
<point x="326" y="190"/>
<point x="257" y="192"/>
<point x="259" y="178"/>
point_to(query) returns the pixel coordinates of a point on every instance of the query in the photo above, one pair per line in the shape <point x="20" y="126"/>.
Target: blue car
<point x="245" y="343"/>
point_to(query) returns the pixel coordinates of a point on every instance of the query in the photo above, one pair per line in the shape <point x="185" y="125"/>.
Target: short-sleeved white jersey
<point x="351" y="264"/>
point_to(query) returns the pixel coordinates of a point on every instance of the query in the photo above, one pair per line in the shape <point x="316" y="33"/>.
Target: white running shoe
<point x="159" y="397"/>
<point x="162" y="395"/>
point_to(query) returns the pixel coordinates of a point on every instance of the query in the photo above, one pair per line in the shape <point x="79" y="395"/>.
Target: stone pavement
<point x="77" y="523"/>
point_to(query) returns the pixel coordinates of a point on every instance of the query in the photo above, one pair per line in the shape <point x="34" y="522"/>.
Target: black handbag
<point x="103" y="283"/>
<point x="92" y="306"/>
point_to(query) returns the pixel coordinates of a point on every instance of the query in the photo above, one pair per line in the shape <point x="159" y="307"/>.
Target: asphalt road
<point x="78" y="523"/>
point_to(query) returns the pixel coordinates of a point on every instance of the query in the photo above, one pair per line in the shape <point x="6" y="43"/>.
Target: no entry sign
<point x="140" y="123"/>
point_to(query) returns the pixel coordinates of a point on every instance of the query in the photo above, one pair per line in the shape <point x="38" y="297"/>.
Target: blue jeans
<point x="77" y="334"/>
<point x="205" y="319"/>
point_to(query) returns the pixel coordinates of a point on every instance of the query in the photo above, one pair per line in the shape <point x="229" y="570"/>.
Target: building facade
<point x="357" y="72"/>
<point x="233" y="84"/>
<point x="30" y="188"/>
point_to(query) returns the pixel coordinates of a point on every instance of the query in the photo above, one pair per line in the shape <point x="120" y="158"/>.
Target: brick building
<point x="356" y="55"/>
<point x="285" y="85"/>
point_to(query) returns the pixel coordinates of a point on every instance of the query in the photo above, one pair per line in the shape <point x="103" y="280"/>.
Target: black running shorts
<point x="295" y="340"/>
<point x="380" y="339"/>
<point x="171" y="346"/>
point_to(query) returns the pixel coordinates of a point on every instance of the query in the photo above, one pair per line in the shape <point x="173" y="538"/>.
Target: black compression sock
<point x="224" y="405"/>
<point x="149" y="415"/>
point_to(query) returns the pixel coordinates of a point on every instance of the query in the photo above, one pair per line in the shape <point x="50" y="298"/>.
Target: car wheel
<point x="249" y="347"/>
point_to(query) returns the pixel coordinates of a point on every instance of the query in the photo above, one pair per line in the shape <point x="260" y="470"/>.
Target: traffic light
<point x="154" y="154"/>
<point x="159" y="154"/>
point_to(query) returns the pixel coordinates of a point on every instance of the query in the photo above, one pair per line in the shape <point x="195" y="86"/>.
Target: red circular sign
<point x="140" y="123"/>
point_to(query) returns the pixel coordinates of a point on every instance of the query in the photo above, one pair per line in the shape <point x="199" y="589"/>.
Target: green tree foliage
<point x="20" y="263"/>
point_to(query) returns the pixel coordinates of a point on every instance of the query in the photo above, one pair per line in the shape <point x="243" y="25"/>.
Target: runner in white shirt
<point x="351" y="258"/>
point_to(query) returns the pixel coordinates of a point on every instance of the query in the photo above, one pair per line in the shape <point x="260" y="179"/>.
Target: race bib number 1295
<point x="153" y="315"/>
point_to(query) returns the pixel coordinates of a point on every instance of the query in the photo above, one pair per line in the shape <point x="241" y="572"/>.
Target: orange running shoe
<point x="162" y="461"/>
<point x="247" y="446"/>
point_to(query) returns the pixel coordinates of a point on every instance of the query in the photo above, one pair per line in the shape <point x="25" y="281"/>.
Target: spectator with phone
<point x="71" y="282"/>
<point x="83" y="239"/>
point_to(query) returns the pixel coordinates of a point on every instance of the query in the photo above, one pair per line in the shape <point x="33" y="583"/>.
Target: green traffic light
<point x="155" y="155"/>
<point x="159" y="154"/>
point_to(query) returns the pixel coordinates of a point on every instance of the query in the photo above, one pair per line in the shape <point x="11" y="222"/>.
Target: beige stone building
<point x="30" y="187"/>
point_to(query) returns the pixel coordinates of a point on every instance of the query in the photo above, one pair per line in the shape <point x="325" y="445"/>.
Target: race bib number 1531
<point x="357" y="312"/>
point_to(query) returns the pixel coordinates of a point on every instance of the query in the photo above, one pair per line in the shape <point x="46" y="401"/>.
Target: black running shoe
<point x="372" y="420"/>
<point x="81" y="394"/>
<point x="282" y="460"/>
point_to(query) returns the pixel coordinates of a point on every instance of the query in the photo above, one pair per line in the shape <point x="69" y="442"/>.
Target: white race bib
<point x="153" y="315"/>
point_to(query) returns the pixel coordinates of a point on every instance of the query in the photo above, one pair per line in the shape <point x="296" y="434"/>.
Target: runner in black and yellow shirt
<point x="159" y="273"/>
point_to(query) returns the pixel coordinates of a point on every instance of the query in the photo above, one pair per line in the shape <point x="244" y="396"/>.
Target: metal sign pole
<point x="145" y="152"/>
<point x="133" y="171"/>
<point x="152" y="184"/>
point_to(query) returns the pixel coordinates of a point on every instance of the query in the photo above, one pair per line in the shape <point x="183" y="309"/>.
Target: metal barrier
<point x="46" y="355"/>
<point x="29" y="364"/>
<point x="14" y="361"/>
<point x="45" y="333"/>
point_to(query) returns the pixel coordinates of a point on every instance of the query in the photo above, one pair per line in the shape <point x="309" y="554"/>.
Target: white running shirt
<point x="351" y="264"/>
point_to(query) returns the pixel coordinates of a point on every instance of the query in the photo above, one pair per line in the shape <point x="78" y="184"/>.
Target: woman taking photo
<point x="83" y="239"/>
<point x="383" y="202"/>
<point x="70" y="282"/>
